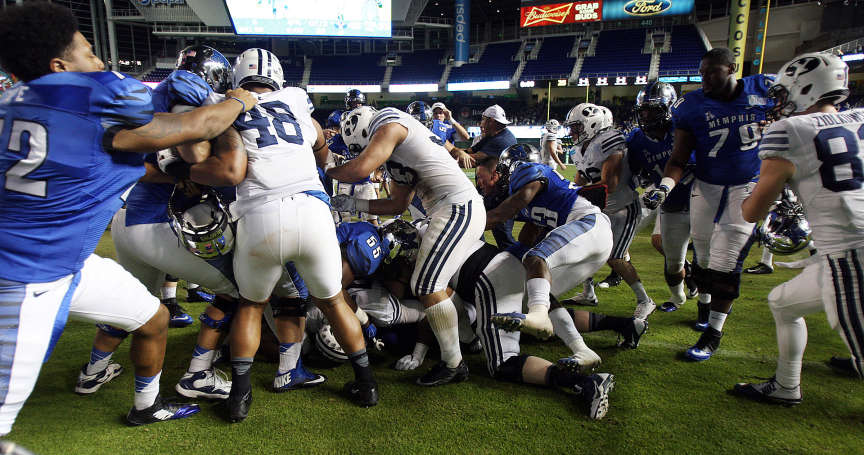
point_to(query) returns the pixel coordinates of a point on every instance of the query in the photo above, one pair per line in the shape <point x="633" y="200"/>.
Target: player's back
<point x="362" y="246"/>
<point x="60" y="186"/>
<point x="557" y="202"/>
<point x="421" y="161"/>
<point x="595" y="153"/>
<point x="278" y="134"/>
<point x="828" y="153"/>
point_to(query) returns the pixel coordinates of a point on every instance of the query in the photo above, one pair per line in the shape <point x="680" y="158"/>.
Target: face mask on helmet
<point x="355" y="128"/>
<point x="785" y="230"/>
<point x="809" y="79"/>
<point x="202" y="223"/>
<point x="208" y="63"/>
<point x="258" y="66"/>
<point x="402" y="238"/>
<point x="585" y="121"/>
<point x="421" y="112"/>
<point x="354" y="99"/>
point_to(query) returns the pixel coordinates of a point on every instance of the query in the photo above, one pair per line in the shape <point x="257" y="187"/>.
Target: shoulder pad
<point x="124" y="101"/>
<point x="525" y="173"/>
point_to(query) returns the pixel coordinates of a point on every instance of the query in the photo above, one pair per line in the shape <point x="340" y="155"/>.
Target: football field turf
<point x="661" y="403"/>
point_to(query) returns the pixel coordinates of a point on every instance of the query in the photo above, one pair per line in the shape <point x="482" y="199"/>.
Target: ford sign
<point x="647" y="7"/>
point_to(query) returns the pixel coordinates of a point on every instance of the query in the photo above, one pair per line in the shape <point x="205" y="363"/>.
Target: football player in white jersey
<point x="283" y="217"/>
<point x="550" y="145"/>
<point x="417" y="164"/>
<point x="601" y="160"/>
<point x="819" y="153"/>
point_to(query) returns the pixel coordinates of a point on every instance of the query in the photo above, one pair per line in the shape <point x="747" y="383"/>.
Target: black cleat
<point x="629" y="336"/>
<point x="160" y="411"/>
<point x="440" y="374"/>
<point x="362" y="393"/>
<point x="612" y="280"/>
<point x="239" y="403"/>
<point x="689" y="282"/>
<point x="844" y="366"/>
<point x="706" y="346"/>
<point x="759" y="269"/>
<point x="769" y="392"/>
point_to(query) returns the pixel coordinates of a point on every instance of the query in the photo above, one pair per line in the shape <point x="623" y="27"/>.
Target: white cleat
<point x="211" y="383"/>
<point x="582" y="362"/>
<point x="90" y="383"/>
<point x="644" y="309"/>
<point x="536" y="324"/>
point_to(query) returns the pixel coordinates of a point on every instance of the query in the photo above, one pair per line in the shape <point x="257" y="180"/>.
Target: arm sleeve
<point x="125" y="103"/>
<point x="613" y="144"/>
<point x="680" y="114"/>
<point x="775" y="141"/>
<point x="525" y="174"/>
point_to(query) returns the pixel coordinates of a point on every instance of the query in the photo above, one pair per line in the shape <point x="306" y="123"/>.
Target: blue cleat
<point x="706" y="346"/>
<point x="297" y="378"/>
<point x="198" y="295"/>
<point x="160" y="412"/>
<point x="668" y="307"/>
<point x="211" y="383"/>
<point x="700" y="326"/>
<point x="179" y="317"/>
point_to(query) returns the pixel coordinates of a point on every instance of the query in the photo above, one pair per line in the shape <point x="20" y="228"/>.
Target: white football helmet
<point x="585" y="121"/>
<point x="807" y="80"/>
<point x="552" y="126"/>
<point x="608" y="121"/>
<point x="355" y="127"/>
<point x="259" y="66"/>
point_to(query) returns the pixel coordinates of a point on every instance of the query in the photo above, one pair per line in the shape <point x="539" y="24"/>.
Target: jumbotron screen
<point x="362" y="18"/>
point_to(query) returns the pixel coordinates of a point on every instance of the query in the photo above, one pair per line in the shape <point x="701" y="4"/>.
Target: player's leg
<point x="624" y="224"/>
<point x="290" y="319"/>
<point x="202" y="379"/>
<point x="842" y="281"/>
<point x="629" y="329"/>
<point x="107" y="293"/>
<point x="704" y="201"/>
<point x="789" y="302"/>
<point x="675" y="233"/>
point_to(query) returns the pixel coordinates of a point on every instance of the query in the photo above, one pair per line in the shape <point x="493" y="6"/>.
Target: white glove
<point x="412" y="361"/>
<point x="166" y="157"/>
<point x="343" y="203"/>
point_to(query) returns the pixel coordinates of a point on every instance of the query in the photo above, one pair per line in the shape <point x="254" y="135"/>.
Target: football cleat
<point x="629" y="336"/>
<point x="595" y="391"/>
<point x="239" y="403"/>
<point x="179" y="317"/>
<point x="644" y="309"/>
<point x="769" y="392"/>
<point x="580" y="300"/>
<point x="611" y="280"/>
<point x="441" y="374"/>
<point x="198" y="295"/>
<point x="844" y="366"/>
<point x="160" y="411"/>
<point x="297" y="378"/>
<point x="211" y="383"/>
<point x="759" y="269"/>
<point x="362" y="393"/>
<point x="535" y="324"/>
<point x="689" y="282"/>
<point x="582" y="362"/>
<point x="473" y="347"/>
<point x="700" y="326"/>
<point x="706" y="346"/>
<point x="90" y="383"/>
<point x="668" y="307"/>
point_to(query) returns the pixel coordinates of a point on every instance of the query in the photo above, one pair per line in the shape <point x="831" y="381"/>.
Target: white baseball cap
<point x="438" y="105"/>
<point x="496" y="112"/>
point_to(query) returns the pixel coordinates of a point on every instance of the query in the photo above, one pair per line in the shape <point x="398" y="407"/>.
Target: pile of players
<point x="77" y="137"/>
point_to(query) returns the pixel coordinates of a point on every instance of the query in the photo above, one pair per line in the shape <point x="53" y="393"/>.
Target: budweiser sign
<point x="561" y="13"/>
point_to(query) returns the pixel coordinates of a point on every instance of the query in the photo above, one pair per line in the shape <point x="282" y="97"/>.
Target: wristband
<point x="362" y="205"/>
<point x="668" y="183"/>
<point x="239" y="101"/>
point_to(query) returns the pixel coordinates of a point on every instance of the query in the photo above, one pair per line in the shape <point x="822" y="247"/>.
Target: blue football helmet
<point x="354" y="98"/>
<point x="208" y="63"/>
<point x="333" y="119"/>
<point x="511" y="157"/>
<point x="202" y="224"/>
<point x="421" y="112"/>
<point x="402" y="238"/>
<point x="654" y="106"/>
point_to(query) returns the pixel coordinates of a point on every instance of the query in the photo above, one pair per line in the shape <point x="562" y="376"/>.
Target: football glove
<point x="652" y="199"/>
<point x="343" y="203"/>
<point x="412" y="361"/>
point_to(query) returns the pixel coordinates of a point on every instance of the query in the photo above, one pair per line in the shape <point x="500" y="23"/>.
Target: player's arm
<point x="226" y="166"/>
<point x="682" y="148"/>
<point x="194" y="152"/>
<point x="383" y="142"/>
<point x="556" y="147"/>
<point x="773" y="175"/>
<point x="169" y="130"/>
<point x="460" y="130"/>
<point x="610" y="172"/>
<point x="465" y="160"/>
<point x="152" y="174"/>
<point x="513" y="204"/>
<point x="320" y="147"/>
<point x="400" y="199"/>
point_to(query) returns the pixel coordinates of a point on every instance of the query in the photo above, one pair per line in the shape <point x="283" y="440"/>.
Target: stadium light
<point x="852" y="57"/>
<point x="490" y="85"/>
<point x="620" y="80"/>
<point x="562" y="82"/>
<point x="342" y="88"/>
<point x="602" y="81"/>
<point x="526" y="84"/>
<point x="405" y="88"/>
<point x="583" y="82"/>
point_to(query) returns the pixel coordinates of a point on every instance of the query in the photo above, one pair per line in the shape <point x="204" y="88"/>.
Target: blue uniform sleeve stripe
<point x="774" y="140"/>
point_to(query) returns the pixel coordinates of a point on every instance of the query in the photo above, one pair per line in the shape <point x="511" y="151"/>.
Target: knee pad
<point x="216" y="324"/>
<point x="672" y="279"/>
<point x="225" y="304"/>
<point x="289" y="307"/>
<point x="725" y="285"/>
<point x="113" y="331"/>
<point x="511" y="369"/>
<point x="702" y="277"/>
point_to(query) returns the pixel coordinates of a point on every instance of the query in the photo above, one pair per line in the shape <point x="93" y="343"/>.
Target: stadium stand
<point x="361" y="69"/>
<point x="496" y="63"/>
<point x="687" y="50"/>
<point x="619" y="53"/>
<point x="552" y="61"/>
<point x="157" y="74"/>
<point x="419" y="68"/>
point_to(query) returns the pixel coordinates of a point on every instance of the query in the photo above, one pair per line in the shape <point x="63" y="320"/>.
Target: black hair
<point x="720" y="55"/>
<point x="28" y="45"/>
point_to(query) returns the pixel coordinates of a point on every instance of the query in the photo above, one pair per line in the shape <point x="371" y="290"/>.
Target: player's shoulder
<point x="635" y="135"/>
<point x="524" y="173"/>
<point x="777" y="138"/>
<point x="757" y="83"/>
<point x="115" y="97"/>
<point x="385" y="116"/>
<point x="689" y="101"/>
<point x="609" y="141"/>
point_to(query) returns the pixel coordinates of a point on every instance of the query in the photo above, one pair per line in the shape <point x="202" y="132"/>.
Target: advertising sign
<point x="462" y="50"/>
<point x="614" y="10"/>
<point x="561" y="13"/>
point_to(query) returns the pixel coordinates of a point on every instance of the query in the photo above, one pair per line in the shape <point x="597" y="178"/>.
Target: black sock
<point x="704" y="311"/>
<point x="360" y="364"/>
<point x="559" y="377"/>
<point x="241" y="368"/>
<point x="598" y="321"/>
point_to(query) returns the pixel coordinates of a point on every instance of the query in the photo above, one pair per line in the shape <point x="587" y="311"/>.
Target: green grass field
<point x="660" y="404"/>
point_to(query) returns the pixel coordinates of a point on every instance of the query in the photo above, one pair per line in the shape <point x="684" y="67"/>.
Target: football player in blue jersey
<point x="648" y="150"/>
<point x="720" y="124"/>
<point x="64" y="162"/>
<point x="365" y="188"/>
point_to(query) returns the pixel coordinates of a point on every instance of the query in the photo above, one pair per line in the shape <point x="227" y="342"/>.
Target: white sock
<point x="445" y="324"/>
<point x="627" y="256"/>
<point x="146" y="391"/>
<point x="639" y="290"/>
<point x="588" y="288"/>
<point x="677" y="295"/>
<point x="767" y="258"/>
<point x="202" y="359"/>
<point x="99" y="360"/>
<point x="716" y="320"/>
<point x="169" y="292"/>
<point x="791" y="341"/>
<point x="288" y="355"/>
<point x="538" y="291"/>
<point x="361" y="316"/>
<point x="565" y="329"/>
<point x="704" y="298"/>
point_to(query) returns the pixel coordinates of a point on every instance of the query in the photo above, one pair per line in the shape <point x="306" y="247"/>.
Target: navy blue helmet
<point x="208" y="63"/>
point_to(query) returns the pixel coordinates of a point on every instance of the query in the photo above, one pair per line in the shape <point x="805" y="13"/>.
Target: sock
<point x="202" y="359"/>
<point x="288" y="355"/>
<point x="360" y="363"/>
<point x="361" y="316"/>
<point x="445" y="324"/>
<point x="98" y="361"/>
<point x="146" y="390"/>
<point x="565" y="329"/>
<point x="241" y="379"/>
<point x="588" y="288"/>
<point x="791" y="341"/>
<point x="677" y="295"/>
<point x="557" y="377"/>
<point x="598" y="321"/>
<point x="716" y="320"/>
<point x="767" y="258"/>
<point x="169" y="292"/>
<point x="627" y="256"/>
<point x="639" y="290"/>
<point x="192" y="286"/>
<point x="538" y="292"/>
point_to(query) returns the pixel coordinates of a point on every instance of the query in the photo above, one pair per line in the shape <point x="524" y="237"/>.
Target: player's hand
<point x="170" y="163"/>
<point x="652" y="199"/>
<point x="343" y="203"/>
<point x="447" y="114"/>
<point x="247" y="97"/>
<point x="408" y="363"/>
<point x="465" y="160"/>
